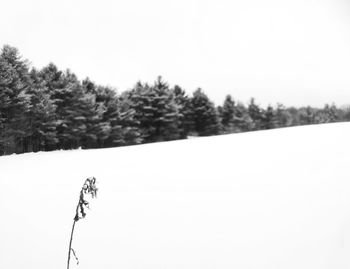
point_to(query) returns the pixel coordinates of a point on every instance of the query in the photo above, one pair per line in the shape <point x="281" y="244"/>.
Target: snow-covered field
<point x="268" y="199"/>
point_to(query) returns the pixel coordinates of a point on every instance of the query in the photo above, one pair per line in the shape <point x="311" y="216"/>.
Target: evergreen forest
<point x="51" y="109"/>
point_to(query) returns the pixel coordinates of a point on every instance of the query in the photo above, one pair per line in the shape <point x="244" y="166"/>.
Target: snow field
<point x="267" y="199"/>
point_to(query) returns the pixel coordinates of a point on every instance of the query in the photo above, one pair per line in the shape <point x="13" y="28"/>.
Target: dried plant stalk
<point x="89" y="188"/>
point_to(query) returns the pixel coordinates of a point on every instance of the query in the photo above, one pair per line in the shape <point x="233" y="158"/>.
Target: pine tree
<point x="140" y="98"/>
<point x="117" y="125"/>
<point x="75" y="110"/>
<point x="41" y="116"/>
<point x="228" y="114"/>
<point x="97" y="120"/>
<point x="124" y="127"/>
<point x="256" y="114"/>
<point x="327" y="114"/>
<point x="206" y="117"/>
<point x="284" y="117"/>
<point x="307" y="115"/>
<point x="67" y="95"/>
<point x="14" y="101"/>
<point x="186" y="121"/>
<point x="242" y="121"/>
<point x="88" y="121"/>
<point x="167" y="116"/>
<point x="156" y="110"/>
<point x="269" y="119"/>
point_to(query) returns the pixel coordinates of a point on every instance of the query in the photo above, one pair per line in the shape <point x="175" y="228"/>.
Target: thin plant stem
<point x="72" y="232"/>
<point x="89" y="187"/>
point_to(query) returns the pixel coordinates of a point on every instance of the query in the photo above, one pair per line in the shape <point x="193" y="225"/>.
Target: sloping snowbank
<point x="268" y="199"/>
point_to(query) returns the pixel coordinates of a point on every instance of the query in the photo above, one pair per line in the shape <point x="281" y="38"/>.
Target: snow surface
<point x="268" y="199"/>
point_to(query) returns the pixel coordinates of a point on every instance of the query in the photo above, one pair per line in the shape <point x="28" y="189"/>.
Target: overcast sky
<point x="295" y="52"/>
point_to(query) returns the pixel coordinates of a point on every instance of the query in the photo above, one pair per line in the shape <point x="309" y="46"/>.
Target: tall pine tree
<point x="41" y="116"/>
<point x="205" y="114"/>
<point x="256" y="114"/>
<point x="14" y="100"/>
<point x="228" y="115"/>
<point x="156" y="110"/>
<point x="186" y="120"/>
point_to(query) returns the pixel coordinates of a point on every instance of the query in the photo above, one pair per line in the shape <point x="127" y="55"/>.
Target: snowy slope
<point x="268" y="199"/>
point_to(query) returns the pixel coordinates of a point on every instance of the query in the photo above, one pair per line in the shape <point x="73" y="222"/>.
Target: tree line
<point x="51" y="109"/>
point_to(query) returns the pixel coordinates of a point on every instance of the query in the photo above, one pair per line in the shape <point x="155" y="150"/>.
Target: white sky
<point x="295" y="52"/>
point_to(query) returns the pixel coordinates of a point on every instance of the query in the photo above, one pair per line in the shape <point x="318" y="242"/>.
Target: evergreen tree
<point x="140" y="98"/>
<point x="50" y="109"/>
<point x="186" y="121"/>
<point x="156" y="110"/>
<point x="242" y="122"/>
<point x="97" y="118"/>
<point x="126" y="130"/>
<point x="284" y="117"/>
<point x="269" y="119"/>
<point x="88" y="121"/>
<point x="327" y="114"/>
<point x="228" y="115"/>
<point x="206" y="117"/>
<point x="66" y="93"/>
<point x="118" y="119"/>
<point x="332" y="112"/>
<point x="256" y="114"/>
<point x="307" y="115"/>
<point x="76" y="112"/>
<point x="41" y="116"/>
<point x="14" y="101"/>
<point x="295" y="116"/>
<point x="52" y="78"/>
<point x="167" y="115"/>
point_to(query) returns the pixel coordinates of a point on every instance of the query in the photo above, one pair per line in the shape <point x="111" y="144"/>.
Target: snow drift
<point x="267" y="199"/>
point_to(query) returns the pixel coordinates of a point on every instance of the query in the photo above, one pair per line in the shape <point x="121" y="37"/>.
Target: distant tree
<point x="114" y="123"/>
<point x="344" y="113"/>
<point x="141" y="99"/>
<point x="41" y="116"/>
<point x="235" y="117"/>
<point x="206" y="116"/>
<point x="167" y="115"/>
<point x="228" y="115"/>
<point x="269" y="118"/>
<point x="327" y="114"/>
<point x="76" y="110"/>
<point x="78" y="115"/>
<point x="14" y="100"/>
<point x="284" y="117"/>
<point x="129" y="125"/>
<point x="124" y="127"/>
<point x="50" y="109"/>
<point x="242" y="121"/>
<point x="70" y="104"/>
<point x="186" y="121"/>
<point x="88" y="121"/>
<point x="53" y="78"/>
<point x="155" y="110"/>
<point x="307" y="115"/>
<point x="295" y="116"/>
<point x="97" y="123"/>
<point x="256" y="114"/>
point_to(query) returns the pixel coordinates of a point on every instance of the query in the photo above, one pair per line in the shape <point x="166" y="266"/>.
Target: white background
<point x="268" y="199"/>
<point x="295" y="52"/>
